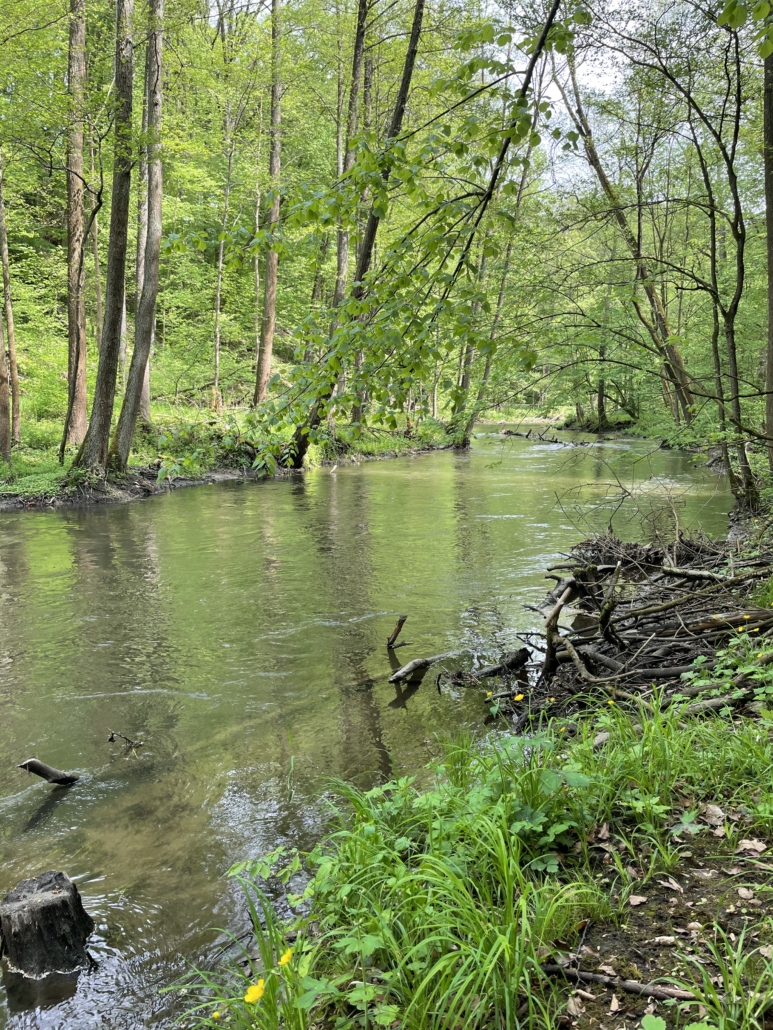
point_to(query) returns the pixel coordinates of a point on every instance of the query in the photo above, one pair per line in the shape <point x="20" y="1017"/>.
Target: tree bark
<point x="271" y="275"/>
<point x="142" y="234"/>
<point x="94" y="450"/>
<point x="5" y="400"/>
<point x="76" y="301"/>
<point x="98" y="315"/>
<point x="9" y="323"/>
<point x="301" y="435"/>
<point x="768" y="168"/>
<point x="145" y="318"/>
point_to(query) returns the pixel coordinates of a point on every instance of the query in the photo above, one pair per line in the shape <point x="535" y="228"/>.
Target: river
<point x="238" y="630"/>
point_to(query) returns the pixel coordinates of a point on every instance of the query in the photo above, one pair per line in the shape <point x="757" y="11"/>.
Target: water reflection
<point x="239" y="631"/>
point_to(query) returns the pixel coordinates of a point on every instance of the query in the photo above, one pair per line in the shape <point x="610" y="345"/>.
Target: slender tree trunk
<point x="98" y="314"/>
<point x="9" y="322"/>
<point x="145" y="318"/>
<point x="768" y="166"/>
<point x="256" y="260"/>
<point x="5" y="400"/>
<point x="301" y="435"/>
<point x="217" y="399"/>
<point x="94" y="450"/>
<point x="346" y="154"/>
<point x="142" y="234"/>
<point x="268" y="323"/>
<point x="76" y="301"/>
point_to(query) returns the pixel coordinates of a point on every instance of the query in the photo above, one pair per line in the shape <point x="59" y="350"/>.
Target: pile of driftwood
<point x="628" y="620"/>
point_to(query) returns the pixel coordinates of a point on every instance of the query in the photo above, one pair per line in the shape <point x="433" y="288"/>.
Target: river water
<point x="238" y="630"/>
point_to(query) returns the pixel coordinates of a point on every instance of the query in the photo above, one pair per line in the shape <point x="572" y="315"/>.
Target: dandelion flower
<point x="286" y="957"/>
<point x="255" y="992"/>
<point x="518" y="697"/>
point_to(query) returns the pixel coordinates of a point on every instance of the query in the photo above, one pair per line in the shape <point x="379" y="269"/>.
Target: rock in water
<point x="44" y="926"/>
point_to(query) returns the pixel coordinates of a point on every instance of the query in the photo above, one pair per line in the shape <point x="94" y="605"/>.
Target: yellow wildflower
<point x="747" y="616"/>
<point x="551" y="699"/>
<point x="740" y="629"/>
<point x="760" y="655"/>
<point x="489" y="693"/>
<point x="255" y="992"/>
<point x="216" y="1015"/>
<point x="610" y="701"/>
<point x="563" y="728"/>
<point x="286" y="957"/>
<point x="518" y="697"/>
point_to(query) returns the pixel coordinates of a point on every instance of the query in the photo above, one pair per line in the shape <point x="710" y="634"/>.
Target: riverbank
<point x="610" y="866"/>
<point x="179" y="455"/>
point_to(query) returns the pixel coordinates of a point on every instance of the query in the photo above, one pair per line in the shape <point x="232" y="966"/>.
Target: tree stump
<point x="44" y="926"/>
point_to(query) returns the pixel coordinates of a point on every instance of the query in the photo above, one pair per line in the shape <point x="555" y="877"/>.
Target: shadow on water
<point x="239" y="631"/>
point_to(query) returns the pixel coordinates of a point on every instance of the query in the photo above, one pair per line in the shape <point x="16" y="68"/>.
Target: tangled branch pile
<point x="627" y="620"/>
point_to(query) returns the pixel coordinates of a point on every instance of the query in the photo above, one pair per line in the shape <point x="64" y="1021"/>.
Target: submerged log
<point x="418" y="665"/>
<point x="63" y="779"/>
<point x="44" y="927"/>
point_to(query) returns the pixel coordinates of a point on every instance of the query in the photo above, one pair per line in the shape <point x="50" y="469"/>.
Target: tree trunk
<point x="145" y="318"/>
<point x="217" y="399"/>
<point x="93" y="451"/>
<point x="142" y="236"/>
<point x="98" y="315"/>
<point x="256" y="259"/>
<point x="5" y="400"/>
<point x="9" y="323"/>
<point x="768" y="167"/>
<point x="268" y="323"/>
<point x="76" y="301"/>
<point x="301" y="435"/>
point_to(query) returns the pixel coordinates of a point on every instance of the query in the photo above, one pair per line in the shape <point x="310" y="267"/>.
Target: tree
<point x="10" y="325"/>
<point x="94" y="449"/>
<point x="76" y="302"/>
<point x="271" y="274"/>
<point x="146" y="306"/>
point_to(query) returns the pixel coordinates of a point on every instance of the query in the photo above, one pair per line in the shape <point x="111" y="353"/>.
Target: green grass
<point x="434" y="906"/>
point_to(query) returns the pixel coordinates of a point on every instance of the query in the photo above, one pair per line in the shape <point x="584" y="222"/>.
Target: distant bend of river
<point x="239" y="631"/>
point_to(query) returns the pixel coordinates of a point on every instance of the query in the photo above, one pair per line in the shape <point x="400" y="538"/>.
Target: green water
<point x="238" y="630"/>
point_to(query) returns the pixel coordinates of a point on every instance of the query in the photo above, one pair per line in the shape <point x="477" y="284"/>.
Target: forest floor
<point x="604" y="861"/>
<point x="185" y="448"/>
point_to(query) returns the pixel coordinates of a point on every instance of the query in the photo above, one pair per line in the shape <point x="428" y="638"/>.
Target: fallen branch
<point x="632" y="986"/>
<point x="129" y="741"/>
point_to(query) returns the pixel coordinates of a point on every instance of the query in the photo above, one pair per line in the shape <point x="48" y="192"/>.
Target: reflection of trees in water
<point x="340" y="533"/>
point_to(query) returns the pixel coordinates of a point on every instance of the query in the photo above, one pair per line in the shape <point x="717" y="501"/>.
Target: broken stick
<point x="396" y="631"/>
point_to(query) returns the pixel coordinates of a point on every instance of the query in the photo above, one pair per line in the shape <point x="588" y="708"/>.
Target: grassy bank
<point x="458" y="903"/>
<point x="191" y="444"/>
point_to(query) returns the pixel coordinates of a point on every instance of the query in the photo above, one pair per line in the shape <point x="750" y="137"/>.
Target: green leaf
<point x="653" y="1023"/>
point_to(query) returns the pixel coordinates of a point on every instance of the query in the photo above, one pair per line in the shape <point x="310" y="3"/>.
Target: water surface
<point x="238" y="630"/>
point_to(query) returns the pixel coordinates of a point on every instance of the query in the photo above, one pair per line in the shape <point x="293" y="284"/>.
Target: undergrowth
<point x="438" y="906"/>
